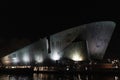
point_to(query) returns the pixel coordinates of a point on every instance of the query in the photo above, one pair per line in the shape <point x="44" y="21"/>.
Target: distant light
<point x="12" y="67"/>
<point x="116" y="78"/>
<point x="67" y="69"/>
<point x="55" y="56"/>
<point x="76" y="57"/>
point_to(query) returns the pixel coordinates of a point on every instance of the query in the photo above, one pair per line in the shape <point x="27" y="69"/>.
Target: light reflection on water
<point x="42" y="76"/>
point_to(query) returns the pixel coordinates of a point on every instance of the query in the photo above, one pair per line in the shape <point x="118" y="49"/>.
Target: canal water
<point x="43" y="76"/>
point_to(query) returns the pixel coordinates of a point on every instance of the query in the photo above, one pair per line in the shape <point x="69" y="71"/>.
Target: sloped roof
<point x="97" y="36"/>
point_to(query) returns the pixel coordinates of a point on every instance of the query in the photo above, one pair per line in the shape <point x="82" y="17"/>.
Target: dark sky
<point x="34" y="27"/>
<point x="3" y="4"/>
<point x="45" y="25"/>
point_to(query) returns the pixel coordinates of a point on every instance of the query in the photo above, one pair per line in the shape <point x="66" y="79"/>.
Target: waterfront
<point x="73" y="54"/>
<point x="45" y="76"/>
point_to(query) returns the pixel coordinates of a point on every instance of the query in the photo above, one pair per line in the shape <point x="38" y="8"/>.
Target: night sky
<point x="35" y="27"/>
<point x="4" y="4"/>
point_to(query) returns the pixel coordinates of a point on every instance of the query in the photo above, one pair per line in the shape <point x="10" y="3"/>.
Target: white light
<point x="12" y="67"/>
<point x="26" y="58"/>
<point x="39" y="58"/>
<point x="15" y="60"/>
<point x="76" y="57"/>
<point x="55" y="56"/>
<point x="67" y="68"/>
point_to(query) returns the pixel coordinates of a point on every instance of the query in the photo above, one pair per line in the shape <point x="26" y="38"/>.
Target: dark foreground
<point x="29" y="74"/>
<point x="63" y="76"/>
<point x="70" y="71"/>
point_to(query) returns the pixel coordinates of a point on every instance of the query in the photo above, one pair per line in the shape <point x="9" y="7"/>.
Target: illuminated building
<point x="80" y="43"/>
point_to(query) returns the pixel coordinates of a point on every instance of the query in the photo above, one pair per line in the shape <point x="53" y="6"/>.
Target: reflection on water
<point x="43" y="76"/>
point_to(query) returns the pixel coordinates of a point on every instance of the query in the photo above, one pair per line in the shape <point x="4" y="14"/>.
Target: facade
<point x="81" y="43"/>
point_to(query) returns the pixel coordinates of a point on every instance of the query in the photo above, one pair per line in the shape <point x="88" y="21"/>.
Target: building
<point x="81" y="43"/>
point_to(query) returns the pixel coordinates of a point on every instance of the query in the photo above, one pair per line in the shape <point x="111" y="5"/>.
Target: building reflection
<point x="43" y="76"/>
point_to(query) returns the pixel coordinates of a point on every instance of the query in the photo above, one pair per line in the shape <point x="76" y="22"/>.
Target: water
<point x="43" y="76"/>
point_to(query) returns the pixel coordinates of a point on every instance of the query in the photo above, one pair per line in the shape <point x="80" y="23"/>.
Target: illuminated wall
<point x="77" y="51"/>
<point x="80" y="43"/>
<point x="98" y="36"/>
<point x="31" y="54"/>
